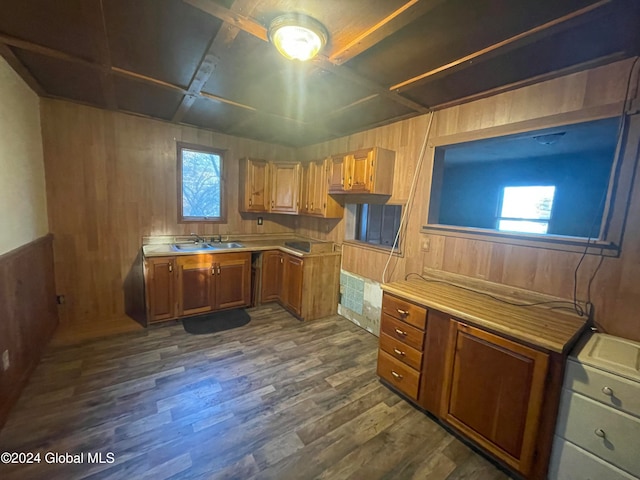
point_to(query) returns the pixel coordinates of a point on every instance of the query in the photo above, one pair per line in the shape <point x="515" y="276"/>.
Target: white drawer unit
<point x="598" y="429"/>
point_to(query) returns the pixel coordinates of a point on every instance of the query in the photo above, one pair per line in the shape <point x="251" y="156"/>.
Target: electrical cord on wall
<point x="621" y="126"/>
<point x="411" y="195"/>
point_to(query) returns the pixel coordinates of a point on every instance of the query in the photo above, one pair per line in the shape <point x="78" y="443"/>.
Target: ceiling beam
<point x="540" y="31"/>
<point x="227" y="15"/>
<point x="580" y="67"/>
<point x="47" y="52"/>
<point x="255" y="28"/>
<point x="221" y="40"/>
<point x="386" y="27"/>
<point x="350" y="75"/>
<point x="21" y="70"/>
<point x="93" y="13"/>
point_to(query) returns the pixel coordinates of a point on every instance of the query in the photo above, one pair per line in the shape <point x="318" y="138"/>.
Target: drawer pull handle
<point x="607" y="391"/>
<point x="400" y="332"/>
<point x="398" y="352"/>
<point x="397" y="375"/>
<point x="402" y="312"/>
<point x="600" y="433"/>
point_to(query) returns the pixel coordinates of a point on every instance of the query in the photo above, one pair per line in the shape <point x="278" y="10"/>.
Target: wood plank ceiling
<point x="208" y="62"/>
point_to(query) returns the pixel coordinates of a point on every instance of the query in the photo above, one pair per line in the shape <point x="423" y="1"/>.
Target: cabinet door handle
<point x="272" y="203"/>
<point x="311" y="205"/>
<point x="397" y="375"/>
<point x="349" y="181"/>
<point x="398" y="352"/>
<point x="600" y="433"/>
<point x="403" y="312"/>
<point x="607" y="391"/>
<point x="218" y="269"/>
<point x="170" y="267"/>
<point x="400" y="332"/>
<point x="213" y="269"/>
<point x="250" y="202"/>
<point x="281" y="260"/>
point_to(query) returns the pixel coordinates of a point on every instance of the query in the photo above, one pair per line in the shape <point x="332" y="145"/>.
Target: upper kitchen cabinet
<point x="254" y="185"/>
<point x="285" y="187"/>
<point x="315" y="191"/>
<point x="269" y="186"/>
<point x="366" y="171"/>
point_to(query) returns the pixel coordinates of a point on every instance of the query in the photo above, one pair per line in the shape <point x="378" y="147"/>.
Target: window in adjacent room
<point x="200" y="184"/>
<point x="377" y="224"/>
<point x="526" y="209"/>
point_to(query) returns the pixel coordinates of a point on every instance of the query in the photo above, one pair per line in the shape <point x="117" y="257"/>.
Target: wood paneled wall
<point x="111" y="179"/>
<point x="28" y="314"/>
<point x="616" y="289"/>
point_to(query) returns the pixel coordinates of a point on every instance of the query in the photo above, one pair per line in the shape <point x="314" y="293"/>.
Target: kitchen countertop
<point x="162" y="247"/>
<point x="551" y="330"/>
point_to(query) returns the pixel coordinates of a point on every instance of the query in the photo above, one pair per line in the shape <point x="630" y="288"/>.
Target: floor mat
<point x="216" y="322"/>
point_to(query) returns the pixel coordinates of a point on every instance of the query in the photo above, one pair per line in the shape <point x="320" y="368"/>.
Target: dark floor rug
<point x="216" y="322"/>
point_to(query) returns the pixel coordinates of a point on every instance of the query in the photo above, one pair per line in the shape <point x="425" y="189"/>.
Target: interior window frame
<point x="610" y="235"/>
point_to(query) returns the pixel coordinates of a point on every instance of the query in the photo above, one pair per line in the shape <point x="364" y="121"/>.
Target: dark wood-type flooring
<point x="276" y="399"/>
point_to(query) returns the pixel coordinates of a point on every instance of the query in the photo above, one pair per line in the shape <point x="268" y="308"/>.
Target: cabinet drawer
<point x="405" y="311"/>
<point x="401" y="351"/>
<point x="401" y="331"/>
<point x="569" y="462"/>
<point x="612" y="390"/>
<point x="581" y="419"/>
<point x="401" y="376"/>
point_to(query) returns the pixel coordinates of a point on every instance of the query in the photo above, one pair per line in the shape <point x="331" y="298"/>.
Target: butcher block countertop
<point x="552" y="330"/>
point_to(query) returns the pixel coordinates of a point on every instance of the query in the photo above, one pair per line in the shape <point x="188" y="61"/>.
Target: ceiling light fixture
<point x="297" y="36"/>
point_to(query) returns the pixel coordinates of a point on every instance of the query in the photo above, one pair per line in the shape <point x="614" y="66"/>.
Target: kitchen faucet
<point x="198" y="238"/>
<point x="217" y="238"/>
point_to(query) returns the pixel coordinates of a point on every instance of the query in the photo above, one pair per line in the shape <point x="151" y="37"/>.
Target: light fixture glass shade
<point x="297" y="36"/>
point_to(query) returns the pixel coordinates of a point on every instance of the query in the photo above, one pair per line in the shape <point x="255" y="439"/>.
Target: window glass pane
<point x="201" y="184"/>
<point x="523" y="226"/>
<point x="378" y="224"/>
<point x="528" y="202"/>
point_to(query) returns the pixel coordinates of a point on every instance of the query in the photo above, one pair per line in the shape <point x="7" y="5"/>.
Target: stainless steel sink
<point x="227" y="245"/>
<point x="192" y="247"/>
<point x="197" y="247"/>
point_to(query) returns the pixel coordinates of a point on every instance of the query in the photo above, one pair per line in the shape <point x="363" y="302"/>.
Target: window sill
<point x="373" y="247"/>
<point x="549" y="242"/>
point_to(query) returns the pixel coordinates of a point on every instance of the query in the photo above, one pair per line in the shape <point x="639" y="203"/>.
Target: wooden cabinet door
<point x="160" y="288"/>
<point x="337" y="174"/>
<point x="292" y="283"/>
<point x="285" y="187"/>
<point x="318" y="190"/>
<point x="272" y="265"/>
<point x="309" y="181"/>
<point x="495" y="394"/>
<point x="254" y="178"/>
<point x="232" y="280"/>
<point x="360" y="177"/>
<point x="195" y="278"/>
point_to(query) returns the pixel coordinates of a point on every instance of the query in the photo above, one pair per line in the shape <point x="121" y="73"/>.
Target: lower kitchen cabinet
<point x="195" y="284"/>
<point x="272" y="266"/>
<point x="160" y="288"/>
<point x="498" y="391"/>
<point x="494" y="394"/>
<point x="306" y="286"/>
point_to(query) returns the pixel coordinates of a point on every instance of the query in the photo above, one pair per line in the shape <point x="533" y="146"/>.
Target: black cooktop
<point x="302" y="246"/>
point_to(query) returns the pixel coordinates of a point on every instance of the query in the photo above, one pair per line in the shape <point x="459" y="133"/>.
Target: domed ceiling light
<point x="297" y="36"/>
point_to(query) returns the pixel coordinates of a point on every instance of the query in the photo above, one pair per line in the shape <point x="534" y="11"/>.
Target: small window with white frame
<point x="526" y="209"/>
